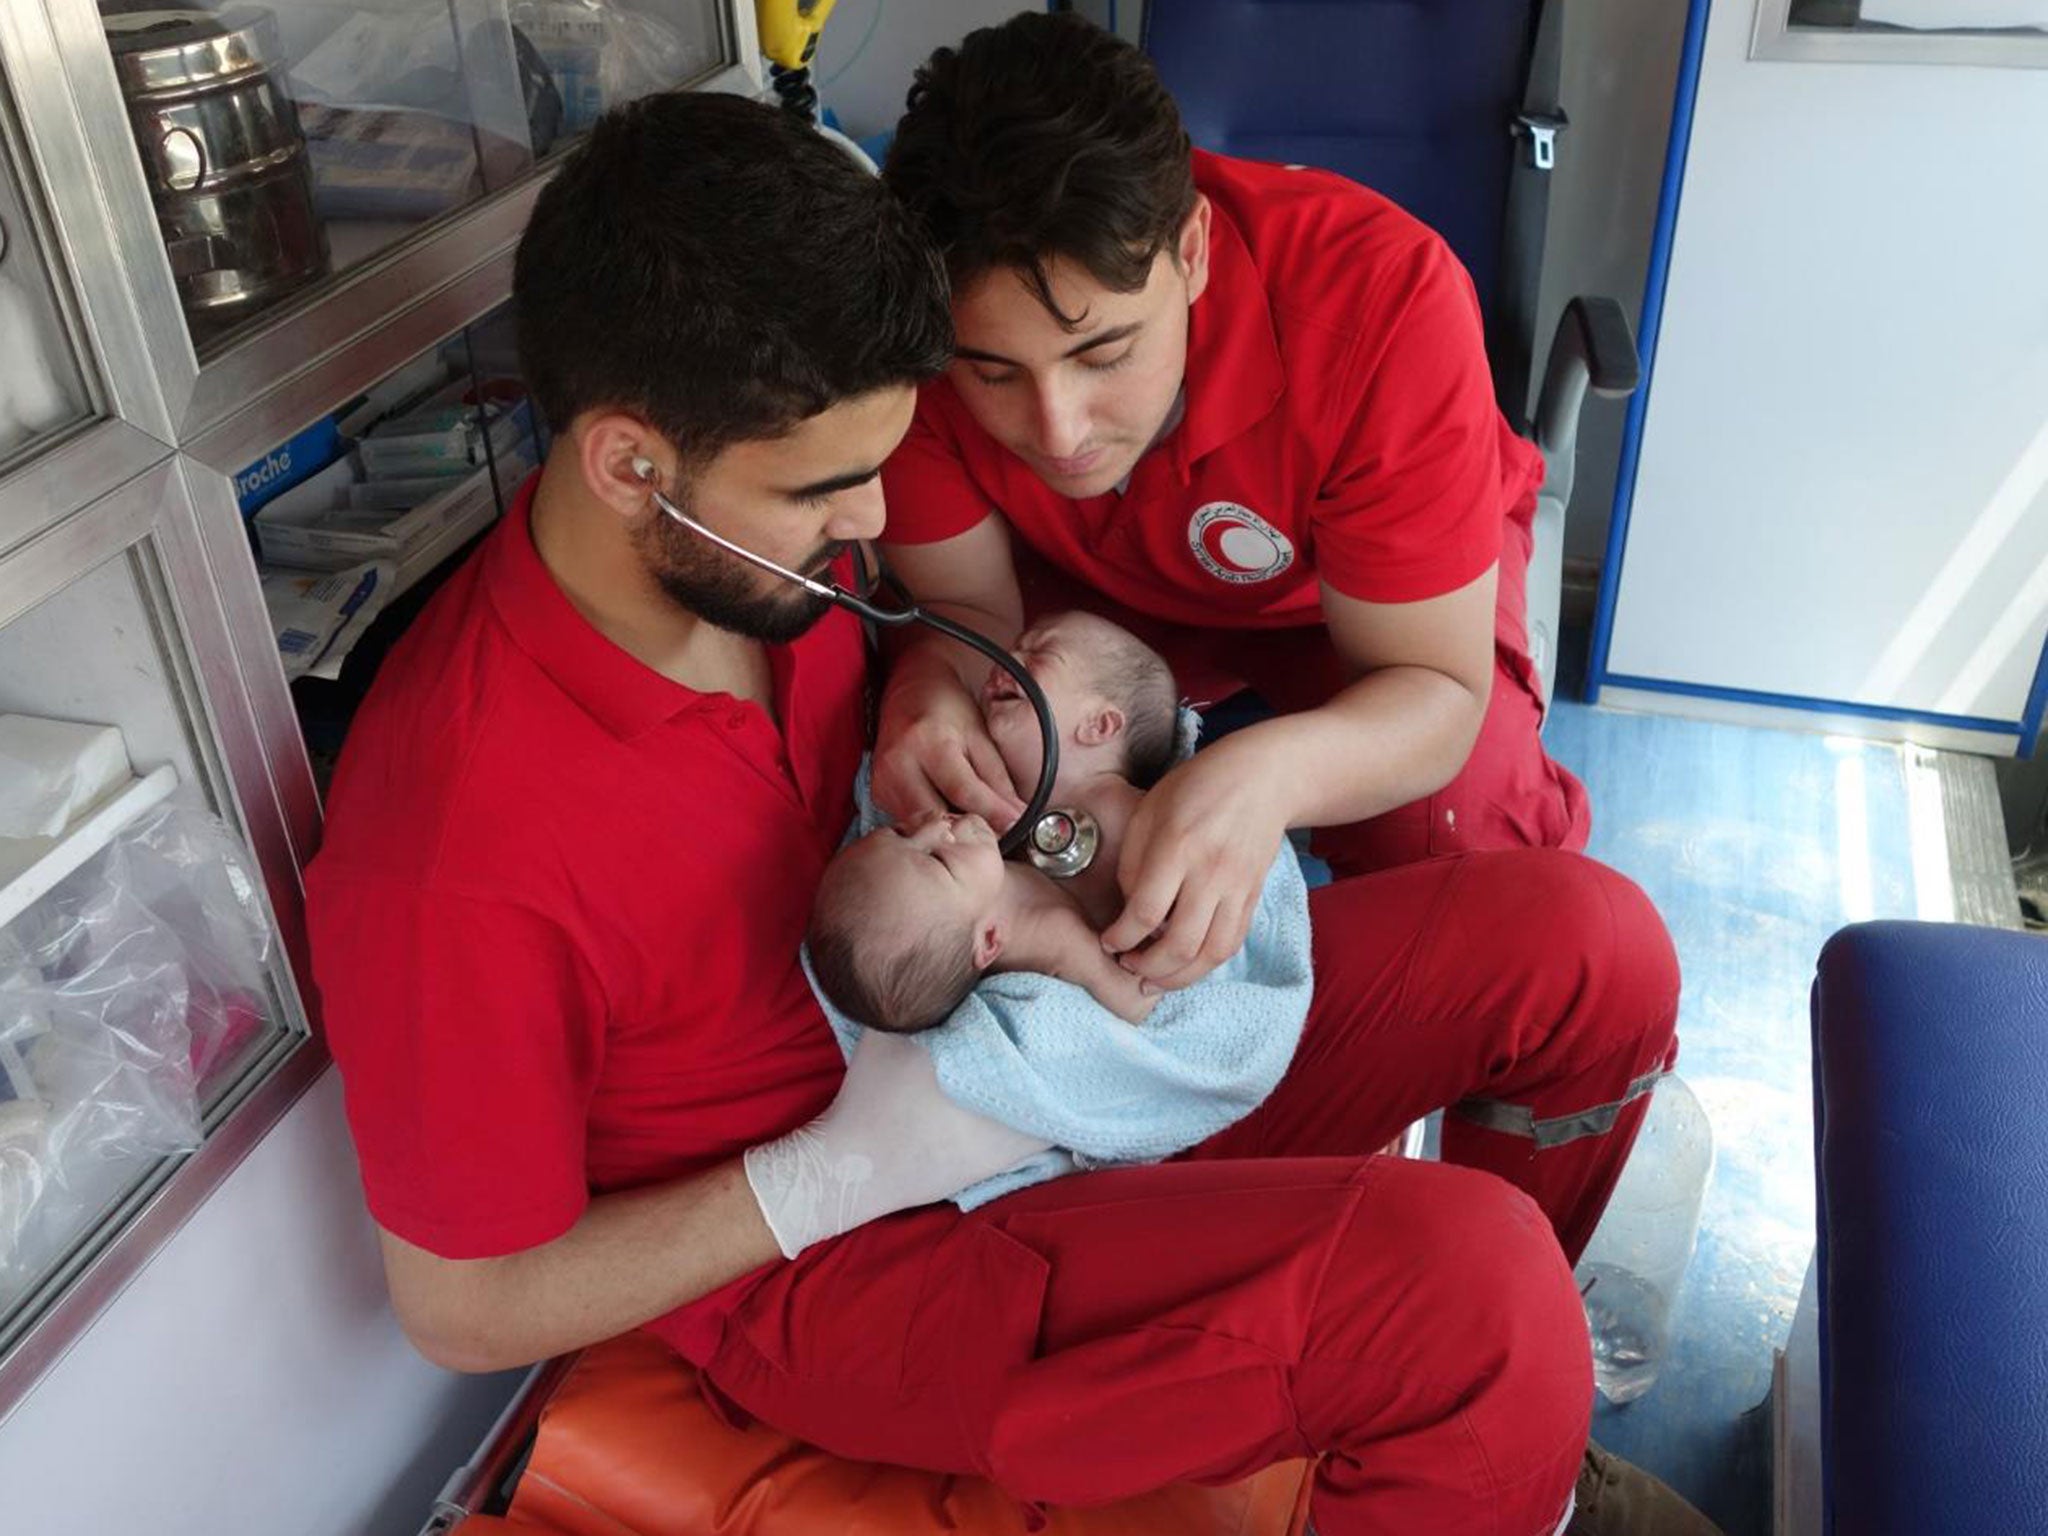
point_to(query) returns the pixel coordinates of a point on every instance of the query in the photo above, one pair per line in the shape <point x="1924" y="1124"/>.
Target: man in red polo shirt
<point x="1246" y="410"/>
<point x="574" y="836"/>
<point x="570" y="853"/>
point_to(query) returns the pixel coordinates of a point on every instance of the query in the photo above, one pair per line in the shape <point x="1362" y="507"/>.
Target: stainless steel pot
<point x="223" y="155"/>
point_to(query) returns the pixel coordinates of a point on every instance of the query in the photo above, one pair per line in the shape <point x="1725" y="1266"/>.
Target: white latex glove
<point x="891" y="1140"/>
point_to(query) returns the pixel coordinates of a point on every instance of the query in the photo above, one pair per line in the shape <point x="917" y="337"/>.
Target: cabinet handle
<point x="3" y="242"/>
<point x="183" y="156"/>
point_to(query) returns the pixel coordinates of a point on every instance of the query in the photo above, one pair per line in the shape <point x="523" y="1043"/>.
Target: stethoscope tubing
<point x="895" y="618"/>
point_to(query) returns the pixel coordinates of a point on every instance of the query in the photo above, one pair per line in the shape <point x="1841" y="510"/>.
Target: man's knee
<point x="1484" y="1334"/>
<point x="1597" y="942"/>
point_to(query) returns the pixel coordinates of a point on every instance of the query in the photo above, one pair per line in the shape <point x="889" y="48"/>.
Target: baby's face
<point x="939" y="871"/>
<point x="1057" y="656"/>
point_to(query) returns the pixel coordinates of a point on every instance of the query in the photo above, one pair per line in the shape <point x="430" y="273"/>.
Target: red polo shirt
<point x="1340" y="426"/>
<point x="555" y="922"/>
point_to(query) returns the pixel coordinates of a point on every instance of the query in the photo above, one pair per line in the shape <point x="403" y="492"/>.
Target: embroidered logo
<point x="1237" y="545"/>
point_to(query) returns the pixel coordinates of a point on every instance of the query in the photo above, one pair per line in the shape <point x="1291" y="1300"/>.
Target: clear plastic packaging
<point x="600" y="53"/>
<point x="123" y="993"/>
<point x="1633" y="1269"/>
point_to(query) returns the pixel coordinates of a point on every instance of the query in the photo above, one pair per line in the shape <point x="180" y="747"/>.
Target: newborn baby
<point x="927" y="926"/>
<point x="908" y="918"/>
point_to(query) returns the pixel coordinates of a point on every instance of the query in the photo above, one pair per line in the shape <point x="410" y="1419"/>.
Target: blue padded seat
<point x="1412" y="98"/>
<point x="1931" y="1120"/>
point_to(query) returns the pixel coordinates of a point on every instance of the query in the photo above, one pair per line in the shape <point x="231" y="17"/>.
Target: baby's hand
<point x="1084" y="963"/>
<point x="1118" y="990"/>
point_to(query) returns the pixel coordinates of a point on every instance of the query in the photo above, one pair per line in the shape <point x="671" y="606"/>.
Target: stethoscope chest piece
<point x="1063" y="843"/>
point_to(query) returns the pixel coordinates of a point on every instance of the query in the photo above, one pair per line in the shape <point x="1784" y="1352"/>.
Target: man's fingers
<point x="904" y="793"/>
<point x="961" y="785"/>
<point x="1227" y="930"/>
<point x="987" y="762"/>
<point x="1146" y="908"/>
<point x="1176" y="949"/>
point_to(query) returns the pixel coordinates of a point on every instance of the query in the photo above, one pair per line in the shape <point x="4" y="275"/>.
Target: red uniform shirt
<point x="1340" y="426"/>
<point x="556" y="919"/>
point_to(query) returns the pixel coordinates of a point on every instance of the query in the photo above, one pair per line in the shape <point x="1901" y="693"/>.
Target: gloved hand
<point x="891" y="1140"/>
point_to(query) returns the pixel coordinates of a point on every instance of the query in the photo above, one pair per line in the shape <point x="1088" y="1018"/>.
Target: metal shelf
<point x="141" y="490"/>
<point x="346" y="335"/>
<point x="31" y="867"/>
<point x="447" y="539"/>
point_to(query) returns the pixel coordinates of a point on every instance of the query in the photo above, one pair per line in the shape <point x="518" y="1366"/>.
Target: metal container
<point x="223" y="155"/>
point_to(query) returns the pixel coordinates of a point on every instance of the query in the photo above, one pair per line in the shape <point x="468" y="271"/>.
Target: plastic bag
<point x="600" y="53"/>
<point x="122" y="993"/>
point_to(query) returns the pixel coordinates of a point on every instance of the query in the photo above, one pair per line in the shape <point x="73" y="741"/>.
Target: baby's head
<point x="907" y="919"/>
<point x="1112" y="697"/>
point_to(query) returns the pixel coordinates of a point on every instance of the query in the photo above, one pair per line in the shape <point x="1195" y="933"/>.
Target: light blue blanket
<point x="1042" y="1055"/>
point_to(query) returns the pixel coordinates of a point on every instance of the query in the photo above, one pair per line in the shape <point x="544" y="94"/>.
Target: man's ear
<point x="1105" y="722"/>
<point x="1191" y="248"/>
<point x="988" y="943"/>
<point x="623" y="460"/>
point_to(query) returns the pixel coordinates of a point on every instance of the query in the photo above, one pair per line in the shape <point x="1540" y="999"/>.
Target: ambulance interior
<point x="1764" y="277"/>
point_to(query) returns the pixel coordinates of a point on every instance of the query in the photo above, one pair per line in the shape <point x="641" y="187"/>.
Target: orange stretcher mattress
<point x="628" y="1446"/>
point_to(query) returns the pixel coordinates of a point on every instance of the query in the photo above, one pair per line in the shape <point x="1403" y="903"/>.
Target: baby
<point x="913" y="925"/>
<point x="910" y="917"/>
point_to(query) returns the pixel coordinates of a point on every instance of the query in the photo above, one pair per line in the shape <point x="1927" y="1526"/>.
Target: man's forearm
<point x="630" y="1258"/>
<point x="1391" y="738"/>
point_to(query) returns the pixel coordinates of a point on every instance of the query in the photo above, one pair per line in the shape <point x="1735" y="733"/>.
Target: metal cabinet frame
<point x="151" y="521"/>
<point x="151" y="477"/>
<point x="330" y="343"/>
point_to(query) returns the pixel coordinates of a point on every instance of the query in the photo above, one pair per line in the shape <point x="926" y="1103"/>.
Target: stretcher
<point x="620" y="1440"/>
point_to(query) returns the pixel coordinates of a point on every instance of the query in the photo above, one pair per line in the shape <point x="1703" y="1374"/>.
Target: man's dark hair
<point x="720" y="270"/>
<point x="901" y="993"/>
<point x="1045" y="136"/>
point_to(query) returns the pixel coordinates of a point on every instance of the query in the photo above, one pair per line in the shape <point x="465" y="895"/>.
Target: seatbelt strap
<point x="1535" y="128"/>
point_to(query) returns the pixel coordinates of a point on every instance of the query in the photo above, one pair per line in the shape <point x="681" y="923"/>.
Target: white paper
<point x="53" y="771"/>
<point x="318" y="615"/>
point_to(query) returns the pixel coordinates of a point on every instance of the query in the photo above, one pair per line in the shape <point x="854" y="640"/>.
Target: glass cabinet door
<point x="284" y="145"/>
<point x="149" y="1023"/>
<point x="43" y="383"/>
<point x="356" y="519"/>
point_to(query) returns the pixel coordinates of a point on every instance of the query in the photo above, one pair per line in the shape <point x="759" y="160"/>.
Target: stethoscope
<point x="1060" y="842"/>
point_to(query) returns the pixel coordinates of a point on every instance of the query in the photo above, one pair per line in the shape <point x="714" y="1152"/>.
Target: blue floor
<point x="1755" y="845"/>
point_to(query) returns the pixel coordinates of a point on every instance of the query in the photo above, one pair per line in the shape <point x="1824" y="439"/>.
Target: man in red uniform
<point x="572" y="847"/>
<point x="1246" y="410"/>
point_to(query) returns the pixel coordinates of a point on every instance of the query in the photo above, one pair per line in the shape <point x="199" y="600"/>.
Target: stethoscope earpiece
<point x="644" y="468"/>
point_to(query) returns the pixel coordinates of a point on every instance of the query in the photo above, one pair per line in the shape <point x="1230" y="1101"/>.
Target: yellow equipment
<point x="789" y="29"/>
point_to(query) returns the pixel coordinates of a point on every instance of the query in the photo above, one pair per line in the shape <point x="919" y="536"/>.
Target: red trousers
<point x="1281" y="1291"/>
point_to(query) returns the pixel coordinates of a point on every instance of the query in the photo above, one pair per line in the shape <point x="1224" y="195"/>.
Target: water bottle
<point x="1633" y="1268"/>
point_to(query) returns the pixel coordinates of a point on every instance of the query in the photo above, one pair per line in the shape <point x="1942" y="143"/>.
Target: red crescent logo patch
<point x="1235" y="544"/>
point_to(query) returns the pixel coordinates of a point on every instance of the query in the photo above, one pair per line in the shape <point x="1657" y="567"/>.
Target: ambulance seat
<point x="1442" y="107"/>
<point x="1930" y="1082"/>
<point x="628" y="1445"/>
